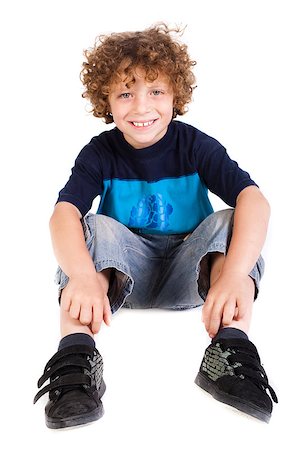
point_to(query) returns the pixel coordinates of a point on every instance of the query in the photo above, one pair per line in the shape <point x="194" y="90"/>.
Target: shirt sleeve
<point x="219" y="172"/>
<point x="85" y="182"/>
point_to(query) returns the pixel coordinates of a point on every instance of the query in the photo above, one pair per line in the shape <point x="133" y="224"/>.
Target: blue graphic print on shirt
<point x="151" y="212"/>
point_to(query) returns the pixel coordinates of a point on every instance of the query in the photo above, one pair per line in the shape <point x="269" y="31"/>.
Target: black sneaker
<point x="232" y="373"/>
<point x="76" y="387"/>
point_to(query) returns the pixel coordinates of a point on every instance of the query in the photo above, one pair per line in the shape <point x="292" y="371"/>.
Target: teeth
<point x="143" y="124"/>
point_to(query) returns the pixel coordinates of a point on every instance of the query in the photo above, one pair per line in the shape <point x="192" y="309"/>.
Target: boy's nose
<point x="141" y="104"/>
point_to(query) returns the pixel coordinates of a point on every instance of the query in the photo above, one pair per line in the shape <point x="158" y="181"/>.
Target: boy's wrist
<point x="82" y="272"/>
<point x="234" y="270"/>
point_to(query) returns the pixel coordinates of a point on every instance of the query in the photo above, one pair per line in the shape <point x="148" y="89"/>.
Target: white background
<point x="247" y="98"/>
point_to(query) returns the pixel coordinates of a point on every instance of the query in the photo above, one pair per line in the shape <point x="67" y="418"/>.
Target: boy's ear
<point x="108" y="112"/>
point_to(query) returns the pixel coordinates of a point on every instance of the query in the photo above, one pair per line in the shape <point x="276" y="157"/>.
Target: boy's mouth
<point x="143" y="124"/>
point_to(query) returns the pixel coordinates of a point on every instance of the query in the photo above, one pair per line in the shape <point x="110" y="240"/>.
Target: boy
<point x="155" y="241"/>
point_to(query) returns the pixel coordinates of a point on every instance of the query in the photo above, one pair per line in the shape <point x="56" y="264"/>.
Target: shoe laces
<point x="246" y="363"/>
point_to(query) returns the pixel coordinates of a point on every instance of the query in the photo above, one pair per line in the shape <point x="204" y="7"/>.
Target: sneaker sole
<point x="81" y="419"/>
<point x="230" y="400"/>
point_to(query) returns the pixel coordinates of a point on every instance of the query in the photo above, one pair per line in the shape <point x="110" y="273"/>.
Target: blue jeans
<point x="157" y="271"/>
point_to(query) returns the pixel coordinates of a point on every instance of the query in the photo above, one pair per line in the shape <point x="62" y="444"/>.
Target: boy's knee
<point x="217" y="222"/>
<point x="224" y="215"/>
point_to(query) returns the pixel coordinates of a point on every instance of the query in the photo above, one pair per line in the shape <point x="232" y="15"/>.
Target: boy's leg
<point x="195" y="261"/>
<point x="68" y="325"/>
<point x="217" y="262"/>
<point x="122" y="260"/>
<point x="75" y="371"/>
<point x="76" y="364"/>
<point x="231" y="370"/>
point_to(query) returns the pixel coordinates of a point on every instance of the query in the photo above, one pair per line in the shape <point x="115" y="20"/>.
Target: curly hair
<point x="118" y="54"/>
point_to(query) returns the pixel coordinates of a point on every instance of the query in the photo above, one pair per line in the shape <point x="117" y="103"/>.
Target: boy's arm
<point x="68" y="240"/>
<point x="83" y="296"/>
<point x="251" y="218"/>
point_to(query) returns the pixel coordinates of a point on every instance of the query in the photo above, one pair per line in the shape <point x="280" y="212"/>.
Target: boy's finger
<point x="107" y="315"/>
<point x="95" y="326"/>
<point x="97" y="317"/>
<point x="65" y="301"/>
<point x="215" y="320"/>
<point x="85" y="315"/>
<point x="74" y="310"/>
<point x="241" y="311"/>
<point x="206" y="309"/>
<point x="236" y="313"/>
<point x="228" y="313"/>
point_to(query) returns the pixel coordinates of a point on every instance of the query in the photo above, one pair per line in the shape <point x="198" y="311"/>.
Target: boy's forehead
<point x="138" y="74"/>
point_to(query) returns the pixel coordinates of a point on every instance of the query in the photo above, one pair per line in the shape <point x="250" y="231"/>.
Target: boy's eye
<point x="157" y="92"/>
<point x="125" y="95"/>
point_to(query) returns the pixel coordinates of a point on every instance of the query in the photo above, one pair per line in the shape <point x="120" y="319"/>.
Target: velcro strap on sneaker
<point x="65" y="381"/>
<point x="72" y="360"/>
<point x="70" y="350"/>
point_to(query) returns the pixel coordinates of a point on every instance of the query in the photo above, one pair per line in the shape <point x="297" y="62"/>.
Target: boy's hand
<point x="230" y="298"/>
<point x="86" y="300"/>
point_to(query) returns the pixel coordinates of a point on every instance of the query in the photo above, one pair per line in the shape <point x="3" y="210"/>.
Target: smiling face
<point x="142" y="111"/>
